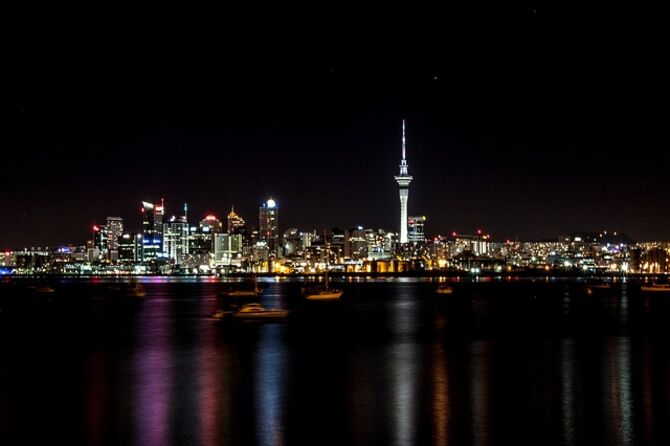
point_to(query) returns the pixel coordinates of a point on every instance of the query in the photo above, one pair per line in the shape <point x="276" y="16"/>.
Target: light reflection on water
<point x="388" y="365"/>
<point x="568" y="389"/>
<point x="480" y="392"/>
<point x="153" y="375"/>
<point x="271" y="381"/>
<point x="617" y="389"/>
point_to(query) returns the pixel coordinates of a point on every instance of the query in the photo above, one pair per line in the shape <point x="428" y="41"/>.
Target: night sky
<point x="528" y="123"/>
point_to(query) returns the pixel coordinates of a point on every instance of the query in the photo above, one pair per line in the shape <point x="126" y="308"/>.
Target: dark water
<point x="497" y="362"/>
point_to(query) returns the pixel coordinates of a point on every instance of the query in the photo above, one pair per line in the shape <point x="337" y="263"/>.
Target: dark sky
<point x="526" y="122"/>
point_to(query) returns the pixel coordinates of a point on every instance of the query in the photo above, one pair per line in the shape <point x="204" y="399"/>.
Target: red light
<point x="210" y="217"/>
<point x="479" y="231"/>
<point x="453" y="234"/>
<point x="96" y="228"/>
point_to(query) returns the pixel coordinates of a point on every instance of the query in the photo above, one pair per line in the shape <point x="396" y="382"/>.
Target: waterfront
<point x="500" y="361"/>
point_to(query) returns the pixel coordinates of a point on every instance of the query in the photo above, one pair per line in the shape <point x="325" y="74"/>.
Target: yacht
<point x="322" y="292"/>
<point x="256" y="311"/>
<point x="444" y="289"/>
<point x="137" y="290"/>
<point x="598" y="287"/>
<point x="656" y="288"/>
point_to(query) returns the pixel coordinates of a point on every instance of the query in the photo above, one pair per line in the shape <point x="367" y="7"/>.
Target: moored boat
<point x="256" y="311"/>
<point x="656" y="288"/>
<point x="322" y="292"/>
<point x="444" y="289"/>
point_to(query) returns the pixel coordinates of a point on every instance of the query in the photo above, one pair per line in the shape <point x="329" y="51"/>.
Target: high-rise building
<point x="114" y="232"/>
<point x="415" y="231"/>
<point x="236" y="223"/>
<point x="403" y="180"/>
<point x="227" y="249"/>
<point x="130" y="248"/>
<point x="175" y="239"/>
<point x="100" y="239"/>
<point x="152" y="230"/>
<point x="211" y="224"/>
<point x="268" y="223"/>
<point x="357" y="245"/>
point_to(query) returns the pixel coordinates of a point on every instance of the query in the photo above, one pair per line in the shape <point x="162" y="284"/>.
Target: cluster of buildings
<point x="210" y="245"/>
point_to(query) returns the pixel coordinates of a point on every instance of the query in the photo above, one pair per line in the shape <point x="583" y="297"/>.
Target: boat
<point x="444" y="289"/>
<point x="221" y="314"/>
<point x="598" y="287"/>
<point x="656" y="288"/>
<point x="137" y="290"/>
<point x="256" y="311"/>
<point x="239" y="292"/>
<point x="322" y="292"/>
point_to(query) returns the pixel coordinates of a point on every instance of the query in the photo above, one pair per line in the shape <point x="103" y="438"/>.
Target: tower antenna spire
<point x="403" y="140"/>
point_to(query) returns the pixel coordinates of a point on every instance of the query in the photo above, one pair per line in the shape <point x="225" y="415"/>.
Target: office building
<point x="152" y="230"/>
<point x="268" y="223"/>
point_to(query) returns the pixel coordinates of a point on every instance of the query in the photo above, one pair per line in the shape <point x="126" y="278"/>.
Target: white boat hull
<point x="241" y="293"/>
<point x="325" y="295"/>
<point x="273" y="314"/>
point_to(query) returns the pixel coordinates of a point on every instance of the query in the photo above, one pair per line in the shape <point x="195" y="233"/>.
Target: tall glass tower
<point x="403" y="180"/>
<point x="268" y="222"/>
<point x="152" y="230"/>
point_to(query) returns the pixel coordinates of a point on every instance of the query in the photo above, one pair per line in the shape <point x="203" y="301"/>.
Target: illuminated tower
<point x="152" y="230"/>
<point x="114" y="232"/>
<point x="403" y="180"/>
<point x="268" y="222"/>
<point x="235" y="223"/>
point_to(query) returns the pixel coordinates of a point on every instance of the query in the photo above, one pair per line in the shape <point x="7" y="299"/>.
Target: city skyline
<point x="524" y="129"/>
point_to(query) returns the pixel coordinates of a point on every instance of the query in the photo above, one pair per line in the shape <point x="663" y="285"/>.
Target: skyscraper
<point x="175" y="238"/>
<point x="235" y="222"/>
<point x="415" y="230"/>
<point x="152" y="230"/>
<point x="268" y="222"/>
<point x="100" y="239"/>
<point x="114" y="232"/>
<point x="403" y="180"/>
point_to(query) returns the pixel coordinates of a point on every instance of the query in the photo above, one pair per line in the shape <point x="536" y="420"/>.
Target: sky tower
<point x="403" y="180"/>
